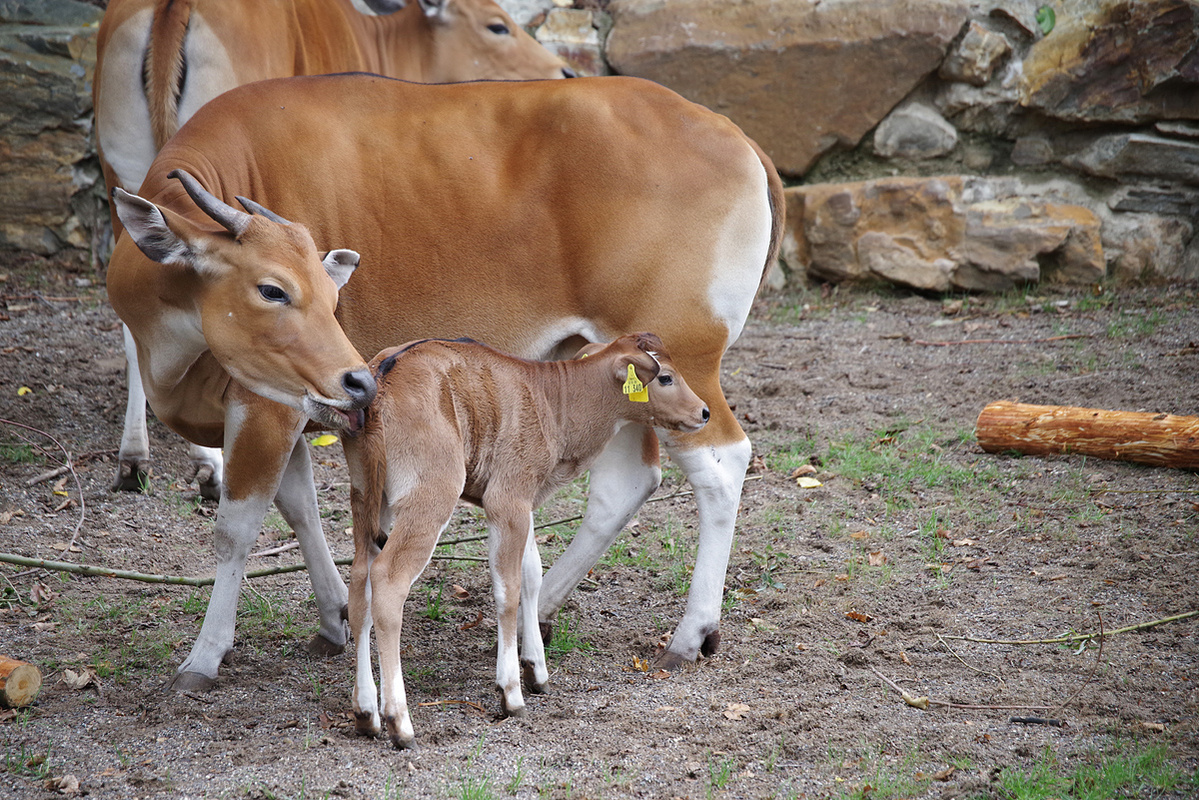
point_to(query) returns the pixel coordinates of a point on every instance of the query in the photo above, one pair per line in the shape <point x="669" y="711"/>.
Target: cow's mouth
<point x="322" y="412"/>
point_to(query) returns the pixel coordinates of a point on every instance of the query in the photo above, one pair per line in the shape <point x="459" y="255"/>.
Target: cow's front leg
<point x="716" y="474"/>
<point x="622" y="479"/>
<point x="297" y="502"/>
<point x="260" y="437"/>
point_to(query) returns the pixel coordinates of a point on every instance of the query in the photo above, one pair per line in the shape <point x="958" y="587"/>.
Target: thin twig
<point x="1004" y="341"/>
<point x="968" y="666"/>
<point x="1079" y="637"/>
<point x="968" y="706"/>
<point x="71" y="469"/>
<point x="470" y="703"/>
<point x="274" y="551"/>
<point x="1098" y="661"/>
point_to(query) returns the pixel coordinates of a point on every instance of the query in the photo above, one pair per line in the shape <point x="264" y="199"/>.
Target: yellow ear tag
<point x="634" y="388"/>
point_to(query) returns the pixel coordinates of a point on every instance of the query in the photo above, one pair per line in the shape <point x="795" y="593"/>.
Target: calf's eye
<point x="665" y="380"/>
<point x="499" y="29"/>
<point x="272" y="293"/>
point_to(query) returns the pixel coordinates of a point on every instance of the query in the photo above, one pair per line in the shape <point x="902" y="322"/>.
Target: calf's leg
<point x="508" y="532"/>
<point x="532" y="657"/>
<point x="366" y="697"/>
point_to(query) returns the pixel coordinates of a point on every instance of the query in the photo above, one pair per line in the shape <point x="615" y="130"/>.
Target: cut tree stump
<point x="19" y="682"/>
<point x="1163" y="440"/>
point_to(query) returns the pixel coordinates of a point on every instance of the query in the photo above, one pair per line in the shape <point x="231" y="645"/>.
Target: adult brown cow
<point x="158" y="61"/>
<point x="532" y="216"/>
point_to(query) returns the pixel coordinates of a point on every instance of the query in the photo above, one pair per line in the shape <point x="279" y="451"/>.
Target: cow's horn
<point x="226" y="215"/>
<point x="262" y="211"/>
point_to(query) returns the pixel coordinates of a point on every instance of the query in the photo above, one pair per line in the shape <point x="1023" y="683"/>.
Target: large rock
<point x="1117" y="61"/>
<point x="914" y="131"/>
<point x="1131" y="156"/>
<point x="800" y="78"/>
<point x="47" y="169"/>
<point x="940" y="234"/>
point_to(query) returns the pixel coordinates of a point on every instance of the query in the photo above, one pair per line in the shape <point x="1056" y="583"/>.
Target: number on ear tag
<point x="634" y="388"/>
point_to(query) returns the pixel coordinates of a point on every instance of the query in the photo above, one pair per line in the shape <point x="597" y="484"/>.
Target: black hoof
<point x="529" y="678"/>
<point x="669" y="661"/>
<point x="132" y="476"/>
<point x="710" y="644"/>
<point x="320" y="646"/>
<point x="189" y="682"/>
<point x="547" y="632"/>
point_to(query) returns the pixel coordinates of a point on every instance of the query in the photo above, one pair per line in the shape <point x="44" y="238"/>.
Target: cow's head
<point x="476" y="40"/>
<point x="265" y="300"/>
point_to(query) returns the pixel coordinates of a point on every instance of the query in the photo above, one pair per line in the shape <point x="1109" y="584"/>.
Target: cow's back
<point x="480" y="207"/>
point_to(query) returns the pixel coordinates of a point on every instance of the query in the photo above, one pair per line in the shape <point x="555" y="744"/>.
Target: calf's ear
<point x="340" y="264"/>
<point x="147" y="225"/>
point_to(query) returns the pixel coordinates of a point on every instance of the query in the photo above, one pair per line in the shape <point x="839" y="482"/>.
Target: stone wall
<point x="51" y="192"/>
<point x="938" y="144"/>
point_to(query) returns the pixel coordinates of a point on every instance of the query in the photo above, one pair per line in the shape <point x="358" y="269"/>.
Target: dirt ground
<point x="914" y="537"/>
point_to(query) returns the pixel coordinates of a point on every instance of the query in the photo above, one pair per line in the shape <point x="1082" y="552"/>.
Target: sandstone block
<point x="573" y="35"/>
<point x="1117" y="61"/>
<point x="1129" y="157"/>
<point x="974" y="58"/>
<point x="941" y="234"/>
<point x="800" y="78"/>
<point x="914" y="131"/>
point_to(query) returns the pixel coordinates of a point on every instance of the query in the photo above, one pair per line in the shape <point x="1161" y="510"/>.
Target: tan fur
<point x="456" y="419"/>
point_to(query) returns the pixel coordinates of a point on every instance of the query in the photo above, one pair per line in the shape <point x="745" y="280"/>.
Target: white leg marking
<point x="620" y="483"/>
<point x="366" y="697"/>
<point x="296" y="500"/>
<point x="122" y="114"/>
<point x="532" y="648"/>
<point x="135" y="442"/>
<point x="507" y="600"/>
<point x="716" y="475"/>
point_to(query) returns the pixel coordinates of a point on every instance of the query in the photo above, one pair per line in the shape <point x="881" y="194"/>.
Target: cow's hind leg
<point x="133" y="459"/>
<point x="622" y="479"/>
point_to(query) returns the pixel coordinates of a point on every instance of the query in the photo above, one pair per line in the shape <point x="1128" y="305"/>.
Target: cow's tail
<point x="778" y="210"/>
<point x="165" y="66"/>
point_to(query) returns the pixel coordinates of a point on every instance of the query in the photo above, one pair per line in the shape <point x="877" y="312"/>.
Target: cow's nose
<point x="359" y="384"/>
<point x="567" y="72"/>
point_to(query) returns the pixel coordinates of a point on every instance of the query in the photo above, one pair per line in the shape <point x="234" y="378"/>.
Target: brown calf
<point x="461" y="420"/>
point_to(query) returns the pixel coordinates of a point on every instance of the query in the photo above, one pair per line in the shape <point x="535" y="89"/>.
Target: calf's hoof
<point x="399" y="740"/>
<point x="710" y="644"/>
<point x="367" y="724"/>
<point x="529" y="676"/>
<point x="202" y="474"/>
<point x="320" y="646"/>
<point x="189" y="682"/>
<point x="133" y="475"/>
<point x="547" y="631"/>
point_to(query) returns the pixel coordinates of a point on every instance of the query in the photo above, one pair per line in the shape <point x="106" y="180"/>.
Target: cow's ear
<point x="340" y="264"/>
<point x="434" y="9"/>
<point x="148" y="227"/>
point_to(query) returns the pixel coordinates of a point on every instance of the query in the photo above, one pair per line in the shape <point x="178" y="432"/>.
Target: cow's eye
<point x="272" y="293"/>
<point x="665" y="380"/>
<point x="499" y="29"/>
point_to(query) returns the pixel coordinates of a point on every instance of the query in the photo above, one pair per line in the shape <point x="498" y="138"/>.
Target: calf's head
<point x="264" y="299"/>
<point x="654" y="391"/>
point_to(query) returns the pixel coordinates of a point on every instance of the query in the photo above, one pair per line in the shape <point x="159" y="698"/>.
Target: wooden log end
<point x="19" y="682"/>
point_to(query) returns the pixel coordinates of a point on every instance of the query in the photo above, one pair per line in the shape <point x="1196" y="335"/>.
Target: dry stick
<point x="1004" y="341"/>
<point x="470" y="703"/>
<point x="1098" y="661"/>
<point x="959" y="658"/>
<point x="1079" y="637"/>
<point x="71" y="469"/>
<point x="913" y="701"/>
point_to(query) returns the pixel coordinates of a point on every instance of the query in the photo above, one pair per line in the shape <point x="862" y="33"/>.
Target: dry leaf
<point x="660" y="675"/>
<point x="736" y="711"/>
<point x="876" y="559"/>
<point x="459" y="592"/>
<point x="944" y="774"/>
<point x="78" y="680"/>
<point x="762" y="625"/>
<point x="916" y="702"/>
<point x="1156" y="727"/>
<point x="858" y="616"/>
<point x="859" y="535"/>
<point x="67" y="784"/>
<point x="45" y="627"/>
<point x="964" y="542"/>
<point x="808" y="483"/>
<point x="24" y="390"/>
<point x="904" y="658"/>
<point x="640" y="664"/>
<point x="466" y="626"/>
<point x="803" y="469"/>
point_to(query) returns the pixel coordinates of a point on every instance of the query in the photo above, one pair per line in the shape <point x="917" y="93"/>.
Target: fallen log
<point x="1162" y="440"/>
<point x="19" y="682"/>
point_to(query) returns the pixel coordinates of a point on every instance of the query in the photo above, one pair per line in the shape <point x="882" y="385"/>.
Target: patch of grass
<point x="720" y="771"/>
<point x="1122" y="774"/>
<point x="22" y="762"/>
<point x="566" y="639"/>
<point x="19" y="453"/>
<point x="788" y="458"/>
<point x="434" y="602"/>
<point x="1127" y="325"/>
